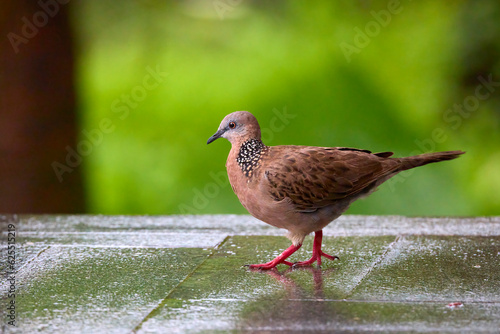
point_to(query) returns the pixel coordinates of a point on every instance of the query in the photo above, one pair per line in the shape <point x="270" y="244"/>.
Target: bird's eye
<point x="232" y="125"/>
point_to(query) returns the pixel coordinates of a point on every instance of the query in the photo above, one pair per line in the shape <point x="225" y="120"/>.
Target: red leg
<point x="317" y="252"/>
<point x="279" y="259"/>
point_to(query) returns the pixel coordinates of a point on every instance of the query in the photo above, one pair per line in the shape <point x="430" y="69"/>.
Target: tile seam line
<point x="16" y="271"/>
<point x="164" y="300"/>
<point x="374" y="264"/>
<point x="34" y="258"/>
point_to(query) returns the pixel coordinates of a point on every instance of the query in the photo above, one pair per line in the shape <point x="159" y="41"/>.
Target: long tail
<point x="427" y="158"/>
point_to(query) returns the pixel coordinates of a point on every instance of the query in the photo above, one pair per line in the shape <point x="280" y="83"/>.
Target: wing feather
<point x="315" y="177"/>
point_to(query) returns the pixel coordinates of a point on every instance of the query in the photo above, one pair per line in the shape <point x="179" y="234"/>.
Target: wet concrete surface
<point x="184" y="274"/>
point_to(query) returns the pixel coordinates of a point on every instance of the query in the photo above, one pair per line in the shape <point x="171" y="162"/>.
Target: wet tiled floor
<point x="184" y="274"/>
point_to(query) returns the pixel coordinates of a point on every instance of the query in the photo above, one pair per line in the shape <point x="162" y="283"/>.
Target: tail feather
<point x="427" y="158"/>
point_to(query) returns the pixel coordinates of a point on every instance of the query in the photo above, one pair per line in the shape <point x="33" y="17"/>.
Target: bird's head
<point x="237" y="127"/>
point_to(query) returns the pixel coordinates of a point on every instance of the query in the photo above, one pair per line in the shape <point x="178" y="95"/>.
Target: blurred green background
<point x="377" y="75"/>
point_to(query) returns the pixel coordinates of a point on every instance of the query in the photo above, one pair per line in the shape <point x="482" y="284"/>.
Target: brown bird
<point x="303" y="188"/>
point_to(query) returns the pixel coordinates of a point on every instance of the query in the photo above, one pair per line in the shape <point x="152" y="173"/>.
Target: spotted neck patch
<point x="249" y="155"/>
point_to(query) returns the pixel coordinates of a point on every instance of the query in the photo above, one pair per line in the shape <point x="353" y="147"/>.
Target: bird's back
<point x="315" y="177"/>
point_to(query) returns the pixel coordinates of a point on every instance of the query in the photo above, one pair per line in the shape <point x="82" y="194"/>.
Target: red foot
<point x="317" y="252"/>
<point x="280" y="259"/>
<point x="316" y="257"/>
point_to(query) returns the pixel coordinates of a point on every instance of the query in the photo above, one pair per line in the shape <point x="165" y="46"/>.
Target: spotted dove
<point x="303" y="188"/>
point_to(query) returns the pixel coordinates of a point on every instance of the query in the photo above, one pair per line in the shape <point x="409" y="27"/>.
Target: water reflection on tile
<point x="97" y="290"/>
<point x="436" y="268"/>
<point x="223" y="276"/>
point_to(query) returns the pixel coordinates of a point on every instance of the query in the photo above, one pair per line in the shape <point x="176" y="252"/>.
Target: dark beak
<point x="216" y="136"/>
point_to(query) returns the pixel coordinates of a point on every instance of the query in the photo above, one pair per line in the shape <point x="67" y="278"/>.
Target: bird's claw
<point x="267" y="266"/>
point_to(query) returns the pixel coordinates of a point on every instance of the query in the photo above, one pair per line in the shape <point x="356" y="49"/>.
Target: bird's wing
<point x="315" y="177"/>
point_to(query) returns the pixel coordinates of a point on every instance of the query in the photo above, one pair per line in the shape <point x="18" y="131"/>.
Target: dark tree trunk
<point x="37" y="109"/>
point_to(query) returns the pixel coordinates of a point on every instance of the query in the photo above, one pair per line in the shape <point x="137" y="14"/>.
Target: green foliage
<point x="284" y="58"/>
